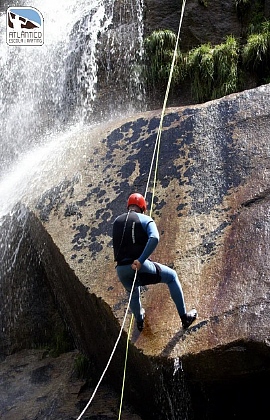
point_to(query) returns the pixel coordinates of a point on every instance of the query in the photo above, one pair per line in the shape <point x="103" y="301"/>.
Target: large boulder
<point x="211" y="206"/>
<point x="29" y="316"/>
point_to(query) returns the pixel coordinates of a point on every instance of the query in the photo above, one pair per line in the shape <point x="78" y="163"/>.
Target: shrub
<point x="226" y="57"/>
<point x="159" y="51"/>
<point x="214" y="70"/>
<point x="256" y="52"/>
<point x="201" y="70"/>
<point x="82" y="366"/>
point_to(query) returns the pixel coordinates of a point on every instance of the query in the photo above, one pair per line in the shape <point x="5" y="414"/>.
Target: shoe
<point x="189" y="318"/>
<point x="140" y="324"/>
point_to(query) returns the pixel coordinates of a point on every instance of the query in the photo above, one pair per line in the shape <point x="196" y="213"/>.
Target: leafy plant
<point x="256" y="17"/>
<point x="203" y="2"/>
<point x="225" y="58"/>
<point x="256" y="52"/>
<point x="159" y="51"/>
<point x="201" y="70"/>
<point x="214" y="70"/>
<point x="60" y="344"/>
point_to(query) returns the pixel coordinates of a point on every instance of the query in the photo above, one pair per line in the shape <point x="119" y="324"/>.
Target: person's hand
<point x="136" y="265"/>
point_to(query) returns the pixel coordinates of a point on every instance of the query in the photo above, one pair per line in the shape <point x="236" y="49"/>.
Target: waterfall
<point x="49" y="92"/>
<point x="49" y="96"/>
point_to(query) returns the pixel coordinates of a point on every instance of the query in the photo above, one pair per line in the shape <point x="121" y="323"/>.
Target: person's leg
<point x="169" y="277"/>
<point x="126" y="275"/>
<point x="148" y="275"/>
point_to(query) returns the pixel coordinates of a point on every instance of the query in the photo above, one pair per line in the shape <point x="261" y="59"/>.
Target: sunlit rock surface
<point x="211" y="206"/>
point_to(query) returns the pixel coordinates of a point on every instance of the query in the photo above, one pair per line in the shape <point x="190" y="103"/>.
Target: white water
<point x="33" y="84"/>
<point x="35" y="130"/>
<point x="37" y="169"/>
<point x="46" y="93"/>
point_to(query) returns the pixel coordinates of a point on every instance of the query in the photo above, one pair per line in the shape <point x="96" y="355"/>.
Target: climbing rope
<point x="158" y="139"/>
<point x="155" y="158"/>
<point x="113" y="351"/>
<point x="125" y="365"/>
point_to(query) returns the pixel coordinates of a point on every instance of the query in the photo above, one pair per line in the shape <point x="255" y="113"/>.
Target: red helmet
<point x="138" y="200"/>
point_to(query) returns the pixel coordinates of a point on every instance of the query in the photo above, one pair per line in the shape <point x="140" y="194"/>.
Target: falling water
<point x="49" y="96"/>
<point x="47" y="93"/>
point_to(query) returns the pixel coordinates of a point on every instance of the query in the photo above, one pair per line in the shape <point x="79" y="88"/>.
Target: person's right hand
<point x="136" y="265"/>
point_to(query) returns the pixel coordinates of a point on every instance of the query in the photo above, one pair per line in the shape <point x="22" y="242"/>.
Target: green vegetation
<point x="255" y="15"/>
<point x="226" y="78"/>
<point x="212" y="71"/>
<point x="256" y="53"/>
<point x="82" y="366"/>
<point x="159" y="50"/>
<point x="203" y="2"/>
<point x="60" y="344"/>
<point x="201" y="70"/>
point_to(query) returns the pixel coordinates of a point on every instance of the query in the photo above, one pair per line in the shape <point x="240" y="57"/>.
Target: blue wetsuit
<point x="135" y="237"/>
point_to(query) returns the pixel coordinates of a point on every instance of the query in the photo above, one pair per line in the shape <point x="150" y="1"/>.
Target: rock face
<point x="35" y="385"/>
<point x="211" y="207"/>
<point x="204" y="20"/>
<point x="29" y="315"/>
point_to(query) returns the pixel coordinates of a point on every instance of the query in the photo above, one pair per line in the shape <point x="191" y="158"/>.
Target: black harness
<point x="129" y="240"/>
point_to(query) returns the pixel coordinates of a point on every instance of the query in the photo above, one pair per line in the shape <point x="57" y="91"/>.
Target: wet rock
<point x="211" y="199"/>
<point x="211" y="207"/>
<point x="29" y="314"/>
<point x="34" y="385"/>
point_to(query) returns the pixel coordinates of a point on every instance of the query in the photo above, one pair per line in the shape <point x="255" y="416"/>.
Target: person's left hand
<point x="136" y="265"/>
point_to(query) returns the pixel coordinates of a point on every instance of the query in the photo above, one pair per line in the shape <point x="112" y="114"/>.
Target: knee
<point x="170" y="276"/>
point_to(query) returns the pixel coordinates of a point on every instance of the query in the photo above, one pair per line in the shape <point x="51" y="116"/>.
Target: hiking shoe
<point x="188" y="318"/>
<point x="140" y="324"/>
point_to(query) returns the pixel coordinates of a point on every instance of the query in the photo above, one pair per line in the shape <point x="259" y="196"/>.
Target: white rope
<point x="166" y="97"/>
<point x="111" y="356"/>
<point x="156" y="150"/>
<point x="147" y="186"/>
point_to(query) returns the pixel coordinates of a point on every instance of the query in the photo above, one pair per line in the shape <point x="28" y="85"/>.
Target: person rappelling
<point x="135" y="237"/>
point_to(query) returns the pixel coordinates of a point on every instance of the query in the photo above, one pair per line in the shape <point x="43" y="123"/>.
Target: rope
<point x="158" y="139"/>
<point x="111" y="356"/>
<point x="125" y="367"/>
<point x="155" y="156"/>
